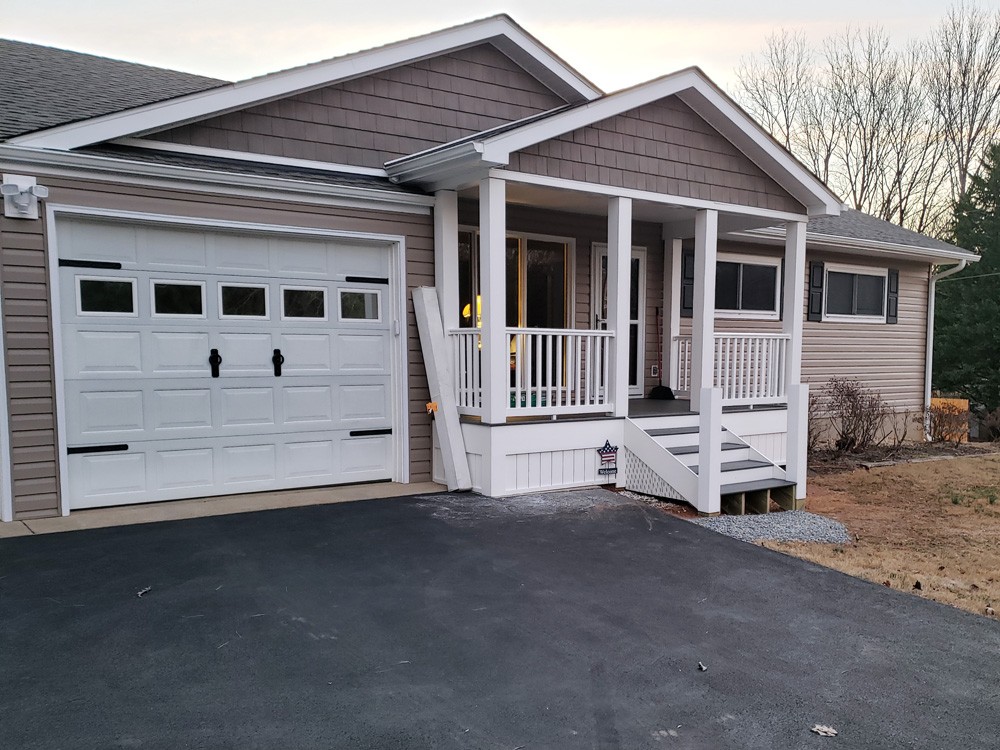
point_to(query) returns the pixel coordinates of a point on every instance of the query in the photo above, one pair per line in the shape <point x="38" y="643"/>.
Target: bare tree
<point x="776" y="84"/>
<point x="962" y="71"/>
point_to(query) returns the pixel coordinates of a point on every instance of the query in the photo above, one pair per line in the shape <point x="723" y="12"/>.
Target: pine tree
<point x="967" y="329"/>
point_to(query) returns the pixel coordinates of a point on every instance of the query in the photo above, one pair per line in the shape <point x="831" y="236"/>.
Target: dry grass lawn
<point x="936" y="523"/>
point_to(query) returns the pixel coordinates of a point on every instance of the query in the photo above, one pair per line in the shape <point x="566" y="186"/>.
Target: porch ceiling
<point x="680" y="219"/>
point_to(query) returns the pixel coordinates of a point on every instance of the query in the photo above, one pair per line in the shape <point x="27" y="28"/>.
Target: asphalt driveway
<point x="573" y="620"/>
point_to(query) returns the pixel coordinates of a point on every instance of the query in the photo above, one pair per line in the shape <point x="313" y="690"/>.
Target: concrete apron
<point x="173" y="510"/>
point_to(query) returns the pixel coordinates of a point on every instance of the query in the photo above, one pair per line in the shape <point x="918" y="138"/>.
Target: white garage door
<point x="204" y="362"/>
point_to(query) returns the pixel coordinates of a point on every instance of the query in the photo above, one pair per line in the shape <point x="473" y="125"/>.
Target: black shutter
<point x="687" y="284"/>
<point x="815" y="292"/>
<point x="892" y="297"/>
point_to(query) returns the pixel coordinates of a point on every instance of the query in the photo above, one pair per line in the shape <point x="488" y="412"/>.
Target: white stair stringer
<point x="652" y="470"/>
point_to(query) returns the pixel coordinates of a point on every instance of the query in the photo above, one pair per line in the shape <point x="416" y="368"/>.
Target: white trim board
<point x="398" y="354"/>
<point x="510" y="38"/>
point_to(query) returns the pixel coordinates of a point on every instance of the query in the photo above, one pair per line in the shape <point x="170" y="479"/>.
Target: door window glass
<point x="359" y="305"/>
<point x="106" y="296"/>
<point x="303" y="303"/>
<point x="242" y="301"/>
<point x="178" y="298"/>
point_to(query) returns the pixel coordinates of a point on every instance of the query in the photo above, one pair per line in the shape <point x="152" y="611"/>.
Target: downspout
<point x="929" y="356"/>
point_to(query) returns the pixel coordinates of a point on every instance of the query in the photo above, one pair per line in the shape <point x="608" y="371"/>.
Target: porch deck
<point x="648" y="407"/>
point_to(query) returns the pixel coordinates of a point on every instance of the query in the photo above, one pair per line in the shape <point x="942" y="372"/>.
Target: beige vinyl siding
<point x="370" y="120"/>
<point x="28" y="329"/>
<point x="28" y="351"/>
<point x="663" y="147"/>
<point x="888" y="358"/>
<point x="585" y="230"/>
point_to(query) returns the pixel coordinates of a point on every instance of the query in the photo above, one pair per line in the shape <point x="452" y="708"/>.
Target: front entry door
<point x="636" y="306"/>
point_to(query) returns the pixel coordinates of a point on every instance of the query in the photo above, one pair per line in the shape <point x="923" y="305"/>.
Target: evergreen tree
<point x="967" y="329"/>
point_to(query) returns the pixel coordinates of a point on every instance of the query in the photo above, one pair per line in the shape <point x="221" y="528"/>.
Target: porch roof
<point x="460" y="162"/>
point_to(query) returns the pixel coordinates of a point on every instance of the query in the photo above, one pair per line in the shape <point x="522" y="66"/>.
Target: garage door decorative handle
<point x="215" y="359"/>
<point x="277" y="360"/>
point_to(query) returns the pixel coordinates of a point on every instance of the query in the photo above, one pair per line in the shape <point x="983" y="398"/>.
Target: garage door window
<point x="359" y="305"/>
<point x="178" y="299"/>
<point x="98" y="296"/>
<point x="303" y="303"/>
<point x="243" y="301"/>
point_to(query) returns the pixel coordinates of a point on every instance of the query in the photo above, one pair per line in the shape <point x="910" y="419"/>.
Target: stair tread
<point x="740" y="465"/>
<point x="684" y="450"/>
<point x="674" y="431"/>
<point x="756" y="484"/>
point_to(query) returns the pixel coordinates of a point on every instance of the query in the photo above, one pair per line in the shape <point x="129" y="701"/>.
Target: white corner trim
<point x="224" y="153"/>
<point x="6" y="461"/>
<point x="58" y="368"/>
<point x="642" y="195"/>
<point x="233" y="96"/>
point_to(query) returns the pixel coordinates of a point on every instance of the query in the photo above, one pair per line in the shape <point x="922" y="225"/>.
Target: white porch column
<point x="446" y="255"/>
<point x="709" y="499"/>
<point x="672" y="253"/>
<point x="796" y="457"/>
<point x="492" y="288"/>
<point x="706" y="235"/>
<point x="619" y="263"/>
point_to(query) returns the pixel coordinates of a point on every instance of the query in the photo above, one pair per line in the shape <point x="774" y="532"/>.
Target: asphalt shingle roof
<point x="42" y="87"/>
<point x="858" y="225"/>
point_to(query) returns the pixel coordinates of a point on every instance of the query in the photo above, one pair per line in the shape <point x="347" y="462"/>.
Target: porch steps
<point x="670" y="449"/>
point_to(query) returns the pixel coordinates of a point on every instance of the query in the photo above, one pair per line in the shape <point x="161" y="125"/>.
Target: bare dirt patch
<point x="936" y="524"/>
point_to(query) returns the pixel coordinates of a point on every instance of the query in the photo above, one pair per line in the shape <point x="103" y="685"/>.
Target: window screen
<point x="855" y="294"/>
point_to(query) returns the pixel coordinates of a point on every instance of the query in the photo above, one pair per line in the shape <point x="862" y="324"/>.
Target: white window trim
<point x="754" y="260"/>
<point x="244" y="285"/>
<point x="861" y="271"/>
<point x="92" y="313"/>
<point x="297" y="288"/>
<point x="359" y="321"/>
<point x="181" y="316"/>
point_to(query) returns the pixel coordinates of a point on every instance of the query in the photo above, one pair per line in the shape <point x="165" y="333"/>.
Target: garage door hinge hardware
<point x="215" y="359"/>
<point x="68" y="263"/>
<point x="367" y="433"/>
<point x="96" y="449"/>
<point x="366" y="280"/>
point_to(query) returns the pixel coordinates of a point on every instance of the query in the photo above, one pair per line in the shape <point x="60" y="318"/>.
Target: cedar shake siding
<point x="28" y="329"/>
<point x="663" y="147"/>
<point x="28" y="350"/>
<point x="371" y="120"/>
<point x="888" y="358"/>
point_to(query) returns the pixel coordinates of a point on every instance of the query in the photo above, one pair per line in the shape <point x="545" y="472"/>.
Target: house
<point x="213" y="288"/>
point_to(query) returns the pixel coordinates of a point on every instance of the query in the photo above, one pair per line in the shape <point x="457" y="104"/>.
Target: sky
<point x="614" y="44"/>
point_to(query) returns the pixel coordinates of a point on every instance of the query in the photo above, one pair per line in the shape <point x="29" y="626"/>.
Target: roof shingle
<point x="42" y="87"/>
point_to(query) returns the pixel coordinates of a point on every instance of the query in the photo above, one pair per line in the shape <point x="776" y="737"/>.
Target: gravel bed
<point x="787" y="526"/>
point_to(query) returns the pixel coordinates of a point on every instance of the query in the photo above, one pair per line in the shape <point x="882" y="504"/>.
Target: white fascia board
<point x="224" y="153"/>
<point x="853" y="246"/>
<point x="234" y="96"/>
<point x="86" y="166"/>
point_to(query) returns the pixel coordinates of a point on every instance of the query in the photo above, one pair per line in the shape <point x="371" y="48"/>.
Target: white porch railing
<point x="749" y="368"/>
<point x="552" y="370"/>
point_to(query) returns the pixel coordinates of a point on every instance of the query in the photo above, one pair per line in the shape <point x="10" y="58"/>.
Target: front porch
<point x="549" y="373"/>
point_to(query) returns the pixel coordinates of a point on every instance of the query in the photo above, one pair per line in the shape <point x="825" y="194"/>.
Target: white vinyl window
<point x="854" y="293"/>
<point x="100" y="295"/>
<point x="747" y="286"/>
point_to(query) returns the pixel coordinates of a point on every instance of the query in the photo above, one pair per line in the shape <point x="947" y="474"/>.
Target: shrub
<point x="858" y="415"/>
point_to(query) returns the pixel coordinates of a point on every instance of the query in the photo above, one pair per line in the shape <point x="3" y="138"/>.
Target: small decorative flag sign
<point x="609" y="459"/>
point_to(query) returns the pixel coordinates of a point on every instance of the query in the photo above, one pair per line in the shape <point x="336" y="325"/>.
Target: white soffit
<point x="500" y="30"/>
